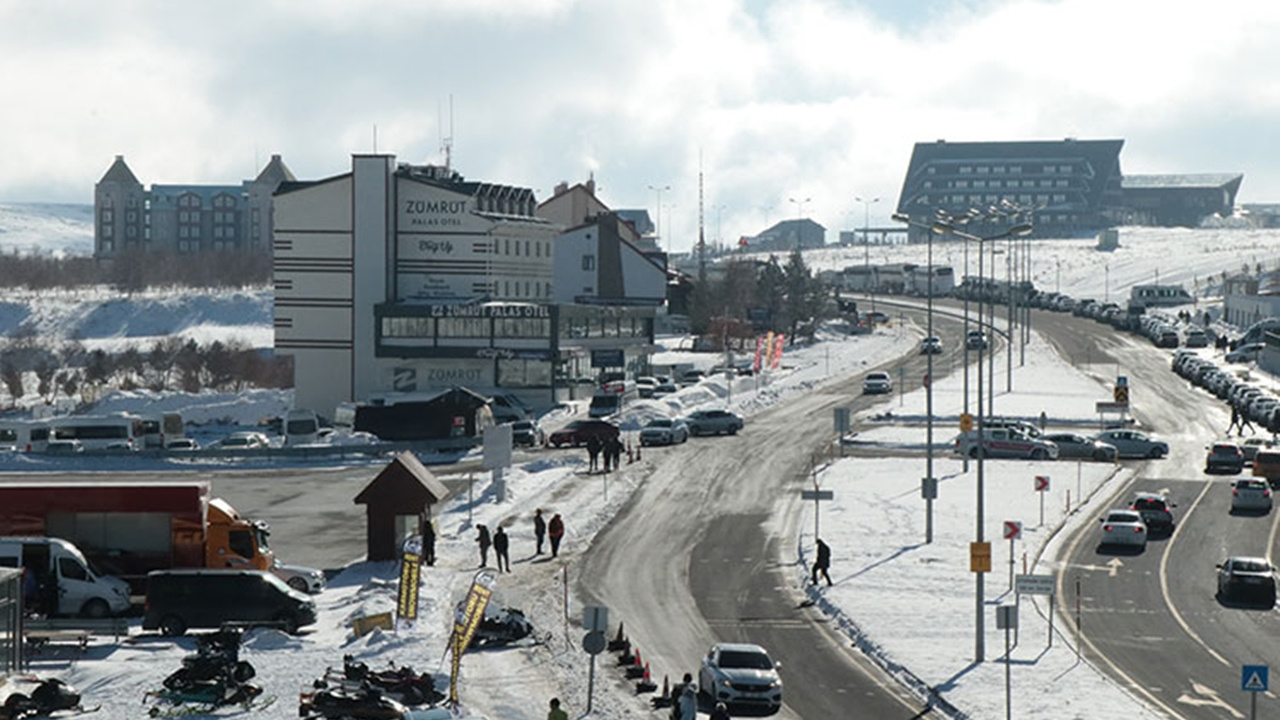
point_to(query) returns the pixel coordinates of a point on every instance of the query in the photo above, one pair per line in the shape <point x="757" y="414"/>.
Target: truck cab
<point x="235" y="542"/>
<point x="59" y="581"/>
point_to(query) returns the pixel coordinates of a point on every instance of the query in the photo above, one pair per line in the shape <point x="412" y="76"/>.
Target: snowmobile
<point x="501" y="627"/>
<point x="403" y="683"/>
<point x="359" y="702"/>
<point x="46" y="697"/>
<point x="212" y="677"/>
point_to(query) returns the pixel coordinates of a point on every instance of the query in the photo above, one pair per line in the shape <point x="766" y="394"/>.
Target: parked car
<point x="931" y="345"/>
<point x="645" y="386"/>
<point x="577" y="432"/>
<point x="664" y="388"/>
<point x="1075" y="445"/>
<point x="63" y="446"/>
<point x="877" y="383"/>
<point x="1251" y="446"/>
<point x="1251" y="494"/>
<point x="242" y="440"/>
<point x="182" y="444"/>
<point x="692" y="377"/>
<point x="743" y="677"/>
<point x="303" y="579"/>
<point x="1245" y="353"/>
<point x="1156" y="511"/>
<point x="1224" y="457"/>
<point x="976" y="340"/>
<point x="713" y="422"/>
<point x="527" y="433"/>
<point x="179" y="600"/>
<point x="1245" y="577"/>
<point x="1124" y="527"/>
<point x="1133" y="443"/>
<point x="664" y="431"/>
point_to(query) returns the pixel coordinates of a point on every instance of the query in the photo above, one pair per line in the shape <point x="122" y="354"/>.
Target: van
<point x="178" y="600"/>
<point x="1266" y="464"/>
<point x="301" y="427"/>
<point x="59" y="573"/>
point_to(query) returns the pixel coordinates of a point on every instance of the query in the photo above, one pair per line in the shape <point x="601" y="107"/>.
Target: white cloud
<point x="818" y="98"/>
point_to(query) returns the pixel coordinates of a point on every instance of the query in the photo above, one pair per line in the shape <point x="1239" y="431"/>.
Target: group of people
<point x="609" y="450"/>
<point x="501" y="542"/>
<point x="684" y="702"/>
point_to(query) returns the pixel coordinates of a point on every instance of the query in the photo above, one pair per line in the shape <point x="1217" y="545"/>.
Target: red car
<point x="578" y="432"/>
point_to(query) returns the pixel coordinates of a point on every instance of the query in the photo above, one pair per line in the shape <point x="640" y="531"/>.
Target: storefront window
<point x="524" y="373"/>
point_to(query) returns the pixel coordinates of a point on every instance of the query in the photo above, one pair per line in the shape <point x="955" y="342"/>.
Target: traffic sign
<point x="929" y="488"/>
<point x="1006" y="617"/>
<point x="1122" y="394"/>
<point x="1253" y="678"/>
<point x="817" y="494"/>
<point x="966" y="422"/>
<point x="842" y="420"/>
<point x="1035" y="584"/>
<point x="979" y="557"/>
<point x="1042" y="483"/>
<point x="1012" y="529"/>
<point x="595" y="618"/>
<point x="594" y="642"/>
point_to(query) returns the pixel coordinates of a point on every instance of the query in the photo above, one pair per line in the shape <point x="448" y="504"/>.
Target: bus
<point x="103" y="432"/>
<point x="23" y="435"/>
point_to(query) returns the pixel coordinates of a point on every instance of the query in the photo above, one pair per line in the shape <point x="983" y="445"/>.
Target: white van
<point x="301" y="427"/>
<point x="60" y="570"/>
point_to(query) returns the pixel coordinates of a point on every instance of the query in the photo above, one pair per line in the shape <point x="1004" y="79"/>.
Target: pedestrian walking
<point x="606" y="454"/>
<point x="593" y="453"/>
<point x="500" y="549"/>
<point x="677" y="691"/>
<point x="823" y="562"/>
<point x="539" y="529"/>
<point x="1044" y="420"/>
<point x="482" y="537"/>
<point x="615" y="449"/>
<point x="688" y="702"/>
<point x="429" y="542"/>
<point x="555" y="530"/>
<point x="1235" y="420"/>
<point x="555" y="713"/>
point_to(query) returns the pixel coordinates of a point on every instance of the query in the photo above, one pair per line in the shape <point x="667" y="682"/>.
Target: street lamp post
<point x="658" y="221"/>
<point x="928" y="388"/>
<point x="979" y="591"/>
<point x="799" y="215"/>
<point x="866" y="246"/>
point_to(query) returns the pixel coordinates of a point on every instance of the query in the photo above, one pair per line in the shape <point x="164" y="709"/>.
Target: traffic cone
<point x="666" y="687"/>
<point x="637" y="655"/>
<point x="646" y="683"/>
<point x="619" y="643"/>
<point x="663" y="700"/>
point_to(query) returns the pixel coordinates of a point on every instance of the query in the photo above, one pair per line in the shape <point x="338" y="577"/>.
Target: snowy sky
<point x="782" y="101"/>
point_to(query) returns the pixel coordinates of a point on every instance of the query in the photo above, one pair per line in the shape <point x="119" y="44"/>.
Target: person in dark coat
<point x="1235" y="420"/>
<point x="500" y="549"/>
<point x="823" y="562"/>
<point x="429" y="542"/>
<point x="606" y="453"/>
<point x="482" y="537"/>
<point x="539" y="529"/>
<point x="614" y="447"/>
<point x="593" y="453"/>
<point x="555" y="530"/>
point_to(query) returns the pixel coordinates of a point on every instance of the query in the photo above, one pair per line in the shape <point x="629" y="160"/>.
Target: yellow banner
<point x="768" y="349"/>
<point x="465" y="621"/>
<point x="407" y="597"/>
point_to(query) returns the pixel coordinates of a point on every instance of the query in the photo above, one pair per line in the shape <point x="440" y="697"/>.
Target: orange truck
<point x="128" y="529"/>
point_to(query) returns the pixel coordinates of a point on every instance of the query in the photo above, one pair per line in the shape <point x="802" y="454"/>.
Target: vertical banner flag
<point x="768" y="348"/>
<point x="466" y="619"/>
<point x="755" y="366"/>
<point x="407" y="597"/>
<point x="777" y="351"/>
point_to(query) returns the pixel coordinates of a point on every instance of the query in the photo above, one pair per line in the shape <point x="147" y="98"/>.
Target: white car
<point x="664" y="431"/>
<point x="1251" y="494"/>
<point x="742" y="676"/>
<point x="1005" y="443"/>
<point x="877" y="383"/>
<point x="1133" y="444"/>
<point x="645" y="386"/>
<point x="244" y="440"/>
<point x="1124" y="527"/>
<point x="302" y="579"/>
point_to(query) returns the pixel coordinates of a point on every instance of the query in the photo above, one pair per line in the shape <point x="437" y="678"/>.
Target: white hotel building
<point x="401" y="278"/>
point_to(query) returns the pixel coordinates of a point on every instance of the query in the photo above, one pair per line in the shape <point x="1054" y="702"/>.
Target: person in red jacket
<point x="555" y="531"/>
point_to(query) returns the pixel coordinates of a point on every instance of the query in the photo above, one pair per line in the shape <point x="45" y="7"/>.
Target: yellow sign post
<point x="966" y="422"/>
<point x="980" y="557"/>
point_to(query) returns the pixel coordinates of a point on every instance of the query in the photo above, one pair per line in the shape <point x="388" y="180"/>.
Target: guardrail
<point x="289" y="452"/>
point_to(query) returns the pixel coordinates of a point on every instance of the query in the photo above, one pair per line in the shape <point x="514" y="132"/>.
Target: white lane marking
<point x="1164" y="578"/>
<point x="1113" y="566"/>
<point x="1210" y="699"/>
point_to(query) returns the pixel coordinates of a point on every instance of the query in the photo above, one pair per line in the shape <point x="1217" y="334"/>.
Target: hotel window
<point x="1059" y="198"/>
<point x="965" y="169"/>
<point x="526" y="248"/>
<point x="1015" y="169"/>
<point x="999" y="169"/>
<point x="517" y="248"/>
<point x="1064" y="169"/>
<point x="930" y="170"/>
<point x="983" y="169"/>
<point x="1062" y="183"/>
<point x="588" y="262"/>
<point x="506" y="244"/>
<point x="107" y="231"/>
<point x="979" y="184"/>
<point x="961" y="184"/>
<point x="1050" y="169"/>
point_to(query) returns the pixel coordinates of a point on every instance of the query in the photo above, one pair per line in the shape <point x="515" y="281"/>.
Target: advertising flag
<point x="465" y="621"/>
<point x="777" y="351"/>
<point x="755" y="366"/>
<point x="768" y="349"/>
<point x="407" y="597"/>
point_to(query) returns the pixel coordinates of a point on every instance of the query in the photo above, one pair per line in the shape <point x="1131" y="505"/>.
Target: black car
<point x="1156" y="511"/>
<point x="178" y="600"/>
<point x="578" y="432"/>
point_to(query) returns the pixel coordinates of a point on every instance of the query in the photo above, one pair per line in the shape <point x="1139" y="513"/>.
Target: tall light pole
<point x="799" y="216"/>
<point x="980" y="593"/>
<point x="866" y="246"/>
<point x="658" y="221"/>
<point x="928" y="388"/>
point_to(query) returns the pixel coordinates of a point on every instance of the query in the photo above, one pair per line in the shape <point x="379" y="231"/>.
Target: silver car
<point x="1251" y="495"/>
<point x="743" y="677"/>
<point x="664" y="431"/>
<point x="302" y="579"/>
<point x="1133" y="444"/>
<point x="713" y="422"/>
<point x="1075" y="445"/>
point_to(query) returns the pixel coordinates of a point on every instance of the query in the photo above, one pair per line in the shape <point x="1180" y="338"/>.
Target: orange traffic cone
<point x="646" y="683"/>
<point x="637" y="655"/>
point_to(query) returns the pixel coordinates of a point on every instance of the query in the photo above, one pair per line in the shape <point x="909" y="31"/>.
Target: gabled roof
<point x="405" y="481"/>
<point x="120" y="172"/>
<point x="275" y="172"/>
